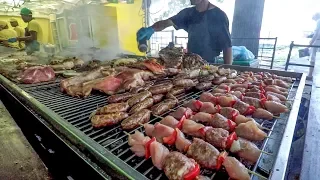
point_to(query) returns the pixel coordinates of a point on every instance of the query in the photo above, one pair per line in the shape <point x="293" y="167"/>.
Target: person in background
<point x="207" y="27"/>
<point x="315" y="41"/>
<point x="33" y="32"/>
<point x="19" y="30"/>
<point x="5" y="34"/>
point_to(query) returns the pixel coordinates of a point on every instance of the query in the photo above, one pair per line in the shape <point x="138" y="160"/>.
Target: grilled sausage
<point x="99" y="121"/>
<point x="219" y="80"/>
<point x="176" y="91"/>
<point x="184" y="83"/>
<point x="161" y="88"/>
<point x="136" y="119"/>
<point x="145" y="104"/>
<point x="163" y="106"/>
<point x="157" y="98"/>
<point x="120" y="97"/>
<point x="207" y="78"/>
<point x="112" y="108"/>
<point x="139" y="98"/>
<point x="204" y="86"/>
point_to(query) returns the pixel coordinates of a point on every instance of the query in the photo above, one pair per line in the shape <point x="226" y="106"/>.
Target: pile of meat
<point x="217" y="121"/>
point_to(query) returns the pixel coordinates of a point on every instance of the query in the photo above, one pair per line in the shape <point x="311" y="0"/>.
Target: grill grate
<point x="76" y="112"/>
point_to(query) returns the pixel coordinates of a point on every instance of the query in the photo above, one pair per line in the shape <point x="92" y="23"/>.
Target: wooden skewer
<point x="126" y="133"/>
<point x="270" y="137"/>
<point x="256" y="174"/>
<point x="264" y="152"/>
<point x="141" y="124"/>
<point x="158" y="116"/>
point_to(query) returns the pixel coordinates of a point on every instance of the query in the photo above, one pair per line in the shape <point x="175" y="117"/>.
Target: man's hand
<point x="145" y="33"/>
<point x="12" y="40"/>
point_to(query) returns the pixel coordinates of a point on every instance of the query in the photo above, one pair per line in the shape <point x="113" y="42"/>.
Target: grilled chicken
<point x="137" y="143"/>
<point x="182" y="111"/>
<point x="249" y="130"/>
<point x="159" y="131"/>
<point x="262" y="114"/>
<point x="235" y="169"/>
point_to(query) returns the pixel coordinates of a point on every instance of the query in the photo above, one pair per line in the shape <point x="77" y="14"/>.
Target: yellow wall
<point x="130" y="20"/>
<point x="44" y="23"/>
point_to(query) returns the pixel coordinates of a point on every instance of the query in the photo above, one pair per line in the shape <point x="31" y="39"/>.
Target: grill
<point x="109" y="145"/>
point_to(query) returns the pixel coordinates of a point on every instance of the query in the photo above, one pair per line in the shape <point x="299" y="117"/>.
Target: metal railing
<point x="292" y="45"/>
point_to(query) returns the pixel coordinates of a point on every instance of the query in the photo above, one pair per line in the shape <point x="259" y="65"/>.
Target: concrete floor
<point x="17" y="158"/>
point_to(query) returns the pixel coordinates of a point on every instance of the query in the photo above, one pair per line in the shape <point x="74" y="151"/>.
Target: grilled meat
<point x="36" y="74"/>
<point x="120" y="97"/>
<point x="252" y="101"/>
<point x="137" y="142"/>
<point x="157" y="98"/>
<point x="171" y="57"/>
<point x="161" y="88"/>
<point x="181" y="111"/>
<point x="158" y="130"/>
<point x="235" y="169"/>
<point x="262" y="114"/>
<point x="169" y="121"/>
<point x="145" y="104"/>
<point x="219" y="80"/>
<point x="184" y="83"/>
<point x="136" y="119"/>
<point x="194" y="105"/>
<point x="108" y="85"/>
<point x="177" y="91"/>
<point x="203" y="153"/>
<point x="250" y="130"/>
<point x="203" y="86"/>
<point x="164" y="106"/>
<point x="217" y="137"/>
<point x="112" y="108"/>
<point x="248" y="151"/>
<point x="181" y="143"/>
<point x="139" y="98"/>
<point x="208" y="78"/>
<point x="158" y="154"/>
<point x="99" y="121"/>
<point x="191" y="61"/>
<point x="153" y="66"/>
<point x="208" y="107"/>
<point x="177" y="165"/>
<point x="193" y="129"/>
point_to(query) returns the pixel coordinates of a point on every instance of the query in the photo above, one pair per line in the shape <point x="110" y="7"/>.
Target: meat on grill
<point x="191" y="61"/>
<point x="208" y="107"/>
<point x="177" y="91"/>
<point x="120" y="97"/>
<point x="184" y="83"/>
<point x="254" y="95"/>
<point x="248" y="150"/>
<point x="158" y="154"/>
<point x="273" y="98"/>
<point x="252" y="101"/>
<point x="157" y="98"/>
<point x="181" y="111"/>
<point x="217" y="137"/>
<point x="203" y="153"/>
<point x="163" y="106"/>
<point x="194" y="105"/>
<point x="137" y="143"/>
<point x="275" y="107"/>
<point x="208" y="78"/>
<point x="285" y="90"/>
<point x="207" y="97"/>
<point x="182" y="144"/>
<point x="170" y="121"/>
<point x="262" y="114"/>
<point x="99" y="121"/>
<point x="219" y="80"/>
<point x="161" y="88"/>
<point x="176" y="165"/>
<point x="193" y="129"/>
<point x="153" y="66"/>
<point x="250" y="130"/>
<point x="171" y="57"/>
<point x="36" y="74"/>
<point x="112" y="108"/>
<point x="280" y="96"/>
<point x="216" y="120"/>
<point x="203" y="86"/>
<point x="159" y="131"/>
<point x="139" y="98"/>
<point x="275" y="90"/>
<point x="235" y="169"/>
<point x="136" y="119"/>
<point x="145" y="104"/>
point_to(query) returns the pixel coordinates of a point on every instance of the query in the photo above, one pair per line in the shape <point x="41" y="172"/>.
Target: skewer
<point x="264" y="152"/>
<point x="267" y="129"/>
<point x="256" y="174"/>
<point x="278" y="117"/>
<point x="270" y="137"/>
<point x="126" y="133"/>
<point x="141" y="124"/>
<point x="158" y="116"/>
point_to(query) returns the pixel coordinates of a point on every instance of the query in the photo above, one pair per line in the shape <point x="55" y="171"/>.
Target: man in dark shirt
<point x="207" y="27"/>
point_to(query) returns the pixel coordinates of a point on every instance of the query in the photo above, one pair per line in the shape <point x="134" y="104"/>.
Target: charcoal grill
<point x="108" y="148"/>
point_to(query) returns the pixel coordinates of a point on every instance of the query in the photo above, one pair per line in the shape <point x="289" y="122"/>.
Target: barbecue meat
<point x="157" y="98"/>
<point x="193" y="129"/>
<point x="252" y="101"/>
<point x="208" y="78"/>
<point x="153" y="66"/>
<point x="181" y="111"/>
<point x="194" y="105"/>
<point x="37" y="74"/>
<point x="182" y="144"/>
<point x="275" y="107"/>
<point x="145" y="104"/>
<point x="184" y="83"/>
<point x="120" y="97"/>
<point x="280" y="96"/>
<point x="136" y="119"/>
<point x="191" y="61"/>
<point x="217" y="137"/>
<point x="262" y="114"/>
<point x="171" y="57"/>
<point x="207" y="97"/>
<point x="177" y="91"/>
<point x="112" y="108"/>
<point x="99" y="121"/>
<point x="203" y="153"/>
<point x="176" y="165"/>
<point x="241" y="106"/>
<point x="219" y="121"/>
<point x="163" y="106"/>
<point x="159" y="131"/>
<point x="248" y="151"/>
<point x="208" y="107"/>
<point x="139" y="98"/>
<point x="158" y="154"/>
<point x="249" y="130"/>
<point x="161" y="88"/>
<point x="235" y="169"/>
<point x="108" y="85"/>
<point x="137" y="143"/>
<point x="203" y="86"/>
<point x="219" y="80"/>
<point x="169" y="121"/>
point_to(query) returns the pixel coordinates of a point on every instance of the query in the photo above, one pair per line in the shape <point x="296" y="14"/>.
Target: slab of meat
<point x="184" y="83"/>
<point x="177" y="91"/>
<point x="177" y="165"/>
<point x="161" y="88"/>
<point x="169" y="121"/>
<point x="137" y="143"/>
<point x="136" y="119"/>
<point x="182" y="144"/>
<point x="120" y="97"/>
<point x="112" y="108"/>
<point x="208" y="107"/>
<point x="108" y="85"/>
<point x="145" y="104"/>
<point x="171" y="57"/>
<point x="164" y="106"/>
<point x="159" y="131"/>
<point x="235" y="169"/>
<point x="262" y="114"/>
<point x="203" y="153"/>
<point x="139" y="98"/>
<point x="99" y="121"/>
<point x="248" y="151"/>
<point x="192" y="61"/>
<point x="158" y="154"/>
<point x="157" y="98"/>
<point x="249" y="130"/>
<point x="36" y="74"/>
<point x="203" y="86"/>
<point x="217" y="137"/>
<point x="182" y="111"/>
<point x="153" y="66"/>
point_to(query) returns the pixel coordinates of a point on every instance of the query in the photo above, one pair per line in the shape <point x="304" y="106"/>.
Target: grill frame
<point x="82" y="141"/>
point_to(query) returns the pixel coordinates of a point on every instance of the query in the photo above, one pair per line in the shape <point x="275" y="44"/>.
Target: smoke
<point x="98" y="36"/>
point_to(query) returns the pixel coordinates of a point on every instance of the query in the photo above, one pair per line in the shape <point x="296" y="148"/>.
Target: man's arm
<point x="33" y="36"/>
<point x="227" y="55"/>
<point x="161" y="25"/>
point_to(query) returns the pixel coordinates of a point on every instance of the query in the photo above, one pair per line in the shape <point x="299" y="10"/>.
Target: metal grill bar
<point x="76" y="111"/>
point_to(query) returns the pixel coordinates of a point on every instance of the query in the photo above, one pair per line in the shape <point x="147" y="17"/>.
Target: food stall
<point x="94" y="123"/>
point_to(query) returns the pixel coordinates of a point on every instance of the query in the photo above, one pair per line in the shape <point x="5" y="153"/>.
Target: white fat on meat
<point x="158" y="154"/>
